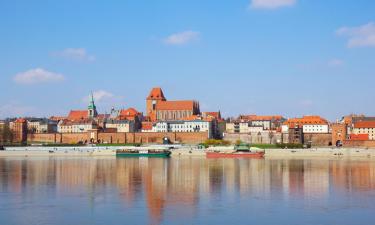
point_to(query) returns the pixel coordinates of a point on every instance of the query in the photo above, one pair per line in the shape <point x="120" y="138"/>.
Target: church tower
<point x="92" y="113"/>
<point x="156" y="95"/>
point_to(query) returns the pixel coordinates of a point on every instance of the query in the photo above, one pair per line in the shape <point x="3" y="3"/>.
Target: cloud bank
<point x="36" y="76"/>
<point x="271" y="4"/>
<point x="182" y="38"/>
<point x="361" y="36"/>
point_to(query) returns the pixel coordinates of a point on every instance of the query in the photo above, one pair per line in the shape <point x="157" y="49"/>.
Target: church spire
<point x="92" y="108"/>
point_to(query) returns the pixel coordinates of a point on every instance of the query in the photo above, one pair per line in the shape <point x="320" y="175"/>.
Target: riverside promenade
<point x="87" y="151"/>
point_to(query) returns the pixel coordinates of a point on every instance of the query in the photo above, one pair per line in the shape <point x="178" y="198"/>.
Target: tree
<point x="271" y="135"/>
<point x="6" y="135"/>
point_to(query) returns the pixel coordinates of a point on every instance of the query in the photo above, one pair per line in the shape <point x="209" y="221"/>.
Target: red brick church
<point x="158" y="108"/>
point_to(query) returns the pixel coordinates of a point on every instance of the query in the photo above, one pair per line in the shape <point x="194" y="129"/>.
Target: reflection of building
<point x="184" y="184"/>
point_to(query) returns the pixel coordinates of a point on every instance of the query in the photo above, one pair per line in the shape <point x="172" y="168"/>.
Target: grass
<point x="264" y="146"/>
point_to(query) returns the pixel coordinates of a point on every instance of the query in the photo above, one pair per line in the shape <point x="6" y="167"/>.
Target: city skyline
<point x="231" y="57"/>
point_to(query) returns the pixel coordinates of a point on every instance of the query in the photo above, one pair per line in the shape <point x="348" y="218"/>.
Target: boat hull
<point x="255" y="155"/>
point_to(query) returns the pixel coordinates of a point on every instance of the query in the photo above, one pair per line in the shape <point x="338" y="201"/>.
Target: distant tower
<point x="92" y="108"/>
<point x="156" y="95"/>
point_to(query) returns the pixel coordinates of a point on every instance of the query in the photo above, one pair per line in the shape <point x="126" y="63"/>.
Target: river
<point x="186" y="190"/>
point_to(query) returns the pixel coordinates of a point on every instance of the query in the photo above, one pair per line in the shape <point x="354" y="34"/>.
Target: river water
<point x="186" y="191"/>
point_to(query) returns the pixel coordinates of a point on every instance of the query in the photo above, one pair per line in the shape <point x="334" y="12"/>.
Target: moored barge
<point x="142" y="153"/>
<point x="240" y="151"/>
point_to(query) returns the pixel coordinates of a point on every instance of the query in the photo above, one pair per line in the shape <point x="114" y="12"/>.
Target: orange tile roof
<point x="78" y="115"/>
<point x="147" y="126"/>
<point x="196" y="117"/>
<point x="215" y="115"/>
<point x="57" y="118"/>
<point x="260" y="118"/>
<point x="128" y="114"/>
<point x="306" y="120"/>
<point x="175" y="105"/>
<point x="364" y="124"/>
<point x="68" y="122"/>
<point x="20" y="120"/>
<point x="156" y="94"/>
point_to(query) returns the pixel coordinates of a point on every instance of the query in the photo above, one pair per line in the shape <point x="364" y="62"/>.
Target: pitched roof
<point x="57" y="118"/>
<point x="128" y="114"/>
<point x="306" y="120"/>
<point x="78" y="115"/>
<point x="147" y="126"/>
<point x="216" y="115"/>
<point x="260" y="118"/>
<point x="68" y="122"/>
<point x="175" y="105"/>
<point x="20" y="120"/>
<point x="156" y="94"/>
<point x="364" y="124"/>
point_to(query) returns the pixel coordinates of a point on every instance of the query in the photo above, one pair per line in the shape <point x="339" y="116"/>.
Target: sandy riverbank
<point x="190" y="151"/>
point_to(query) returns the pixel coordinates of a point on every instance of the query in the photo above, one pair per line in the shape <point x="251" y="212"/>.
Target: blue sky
<point x="289" y="57"/>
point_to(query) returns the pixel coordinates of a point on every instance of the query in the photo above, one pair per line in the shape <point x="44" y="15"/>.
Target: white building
<point x="365" y="127"/>
<point x="315" y="129"/>
<point x="194" y="125"/>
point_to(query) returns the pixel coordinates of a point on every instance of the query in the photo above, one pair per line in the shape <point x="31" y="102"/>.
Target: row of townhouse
<point x="190" y="124"/>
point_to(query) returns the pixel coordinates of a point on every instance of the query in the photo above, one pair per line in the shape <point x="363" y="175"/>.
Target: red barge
<point x="240" y="151"/>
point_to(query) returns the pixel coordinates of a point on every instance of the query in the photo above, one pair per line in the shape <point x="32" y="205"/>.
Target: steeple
<point x="92" y="108"/>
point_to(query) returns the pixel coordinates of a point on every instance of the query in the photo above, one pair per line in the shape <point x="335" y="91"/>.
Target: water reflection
<point x="178" y="185"/>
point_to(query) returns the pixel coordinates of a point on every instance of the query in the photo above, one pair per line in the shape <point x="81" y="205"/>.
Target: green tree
<point x="6" y="135"/>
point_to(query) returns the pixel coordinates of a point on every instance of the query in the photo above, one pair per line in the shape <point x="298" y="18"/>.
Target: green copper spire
<point x="92" y="107"/>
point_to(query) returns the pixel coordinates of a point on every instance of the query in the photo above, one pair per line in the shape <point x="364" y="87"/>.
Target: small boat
<point x="240" y="151"/>
<point x="142" y="153"/>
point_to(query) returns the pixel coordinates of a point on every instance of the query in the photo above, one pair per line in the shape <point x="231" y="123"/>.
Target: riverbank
<point x="88" y="151"/>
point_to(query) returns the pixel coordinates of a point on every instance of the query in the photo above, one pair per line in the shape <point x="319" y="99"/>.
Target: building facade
<point x="76" y="126"/>
<point x="194" y="124"/>
<point x="365" y="128"/>
<point x="39" y="126"/>
<point x="121" y="126"/>
<point x="308" y="124"/>
<point x="19" y="130"/>
<point x="159" y="109"/>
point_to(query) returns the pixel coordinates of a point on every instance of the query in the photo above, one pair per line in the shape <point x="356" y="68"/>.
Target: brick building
<point x="19" y="130"/>
<point x="158" y="108"/>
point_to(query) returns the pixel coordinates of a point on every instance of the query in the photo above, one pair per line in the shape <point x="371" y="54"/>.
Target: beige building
<point x="122" y="126"/>
<point x="40" y="126"/>
<point x="78" y="126"/>
<point x="242" y="128"/>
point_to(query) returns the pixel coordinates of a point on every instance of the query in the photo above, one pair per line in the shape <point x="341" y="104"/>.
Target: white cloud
<point x="182" y="38"/>
<point x="38" y="75"/>
<point x="271" y="4"/>
<point x="75" y="54"/>
<point x="335" y="62"/>
<point x="362" y="36"/>
<point x="99" y="96"/>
